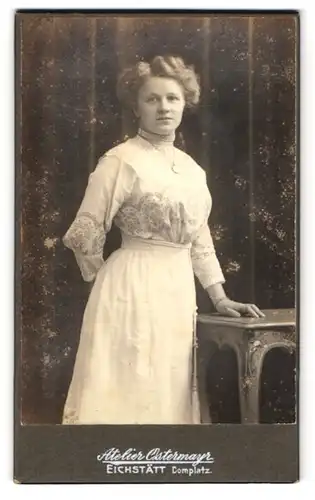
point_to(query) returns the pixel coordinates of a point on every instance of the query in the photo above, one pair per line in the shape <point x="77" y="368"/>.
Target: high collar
<point x="157" y="139"/>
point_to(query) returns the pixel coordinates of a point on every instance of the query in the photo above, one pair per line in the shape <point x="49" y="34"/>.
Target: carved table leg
<point x="251" y="393"/>
<point x="245" y="406"/>
<point x="254" y="361"/>
<point x="250" y="383"/>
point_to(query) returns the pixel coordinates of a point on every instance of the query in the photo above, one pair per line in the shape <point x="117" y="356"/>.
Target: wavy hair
<point x="131" y="79"/>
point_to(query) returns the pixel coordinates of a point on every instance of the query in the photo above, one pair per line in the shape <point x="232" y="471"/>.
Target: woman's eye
<point x="151" y="99"/>
<point x="173" y="98"/>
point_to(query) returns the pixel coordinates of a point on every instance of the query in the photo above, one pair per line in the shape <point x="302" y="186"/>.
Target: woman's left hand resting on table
<point x="228" y="307"/>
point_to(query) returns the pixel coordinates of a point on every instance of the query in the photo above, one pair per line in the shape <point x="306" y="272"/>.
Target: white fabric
<point x="134" y="362"/>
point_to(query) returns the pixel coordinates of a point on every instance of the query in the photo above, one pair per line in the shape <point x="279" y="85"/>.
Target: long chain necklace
<point x="174" y="168"/>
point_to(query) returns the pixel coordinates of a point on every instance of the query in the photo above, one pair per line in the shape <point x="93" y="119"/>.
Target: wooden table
<point x="251" y="339"/>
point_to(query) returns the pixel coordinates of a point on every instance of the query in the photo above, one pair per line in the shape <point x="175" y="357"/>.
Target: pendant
<point x="175" y="169"/>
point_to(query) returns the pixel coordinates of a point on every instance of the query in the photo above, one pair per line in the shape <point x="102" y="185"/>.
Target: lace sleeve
<point x="86" y="237"/>
<point x="108" y="186"/>
<point x="204" y="259"/>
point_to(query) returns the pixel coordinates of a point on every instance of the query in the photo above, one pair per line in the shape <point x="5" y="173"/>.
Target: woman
<point x="135" y="358"/>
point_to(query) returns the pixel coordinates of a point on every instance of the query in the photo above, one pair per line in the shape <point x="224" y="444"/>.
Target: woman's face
<point x="160" y="105"/>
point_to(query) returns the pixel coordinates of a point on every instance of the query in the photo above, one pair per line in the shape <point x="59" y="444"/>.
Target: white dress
<point x="134" y="363"/>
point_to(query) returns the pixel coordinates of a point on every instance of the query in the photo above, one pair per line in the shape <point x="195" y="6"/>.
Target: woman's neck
<point x="157" y="139"/>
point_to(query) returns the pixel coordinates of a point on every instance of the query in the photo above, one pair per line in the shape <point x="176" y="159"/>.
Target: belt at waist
<point x="142" y="244"/>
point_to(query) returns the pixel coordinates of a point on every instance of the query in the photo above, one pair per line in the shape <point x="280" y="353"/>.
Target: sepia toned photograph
<point x="156" y="276"/>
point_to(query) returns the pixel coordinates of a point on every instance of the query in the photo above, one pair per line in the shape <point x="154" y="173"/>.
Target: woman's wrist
<point x="216" y="293"/>
<point x="216" y="302"/>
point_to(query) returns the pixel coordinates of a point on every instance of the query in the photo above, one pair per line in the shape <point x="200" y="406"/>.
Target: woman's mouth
<point x="165" y="119"/>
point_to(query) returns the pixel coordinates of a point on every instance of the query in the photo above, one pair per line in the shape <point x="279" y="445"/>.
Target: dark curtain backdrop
<point x="243" y="135"/>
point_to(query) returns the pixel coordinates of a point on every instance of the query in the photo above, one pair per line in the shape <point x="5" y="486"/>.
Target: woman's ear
<point x="135" y="112"/>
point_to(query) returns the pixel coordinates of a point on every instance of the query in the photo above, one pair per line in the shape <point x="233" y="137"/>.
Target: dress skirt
<point x="134" y="363"/>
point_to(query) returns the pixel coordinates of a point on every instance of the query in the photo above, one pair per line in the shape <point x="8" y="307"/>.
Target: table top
<point x="273" y="318"/>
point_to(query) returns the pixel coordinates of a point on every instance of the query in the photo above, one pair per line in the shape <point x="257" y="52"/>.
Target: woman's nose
<point x="163" y="105"/>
